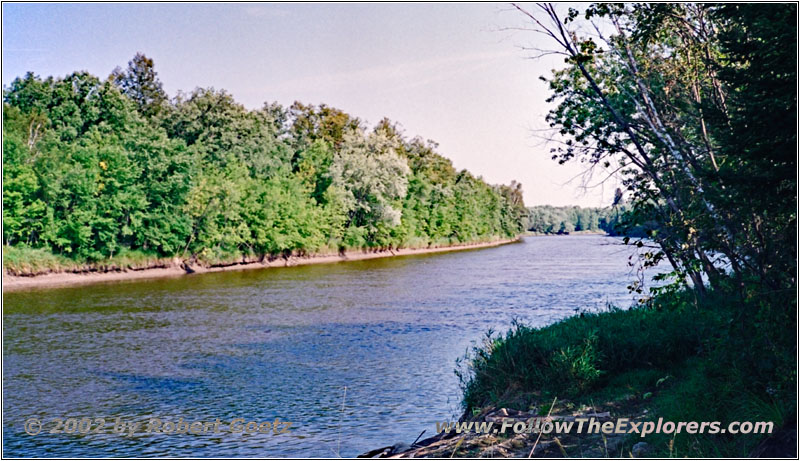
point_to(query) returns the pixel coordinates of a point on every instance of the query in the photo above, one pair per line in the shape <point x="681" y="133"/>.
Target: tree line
<point x="613" y="220"/>
<point x="96" y="168"/>
<point x="694" y="106"/>
<point x="547" y="219"/>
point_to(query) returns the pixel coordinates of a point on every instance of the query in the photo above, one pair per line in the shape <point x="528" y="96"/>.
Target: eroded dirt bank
<point x="177" y="267"/>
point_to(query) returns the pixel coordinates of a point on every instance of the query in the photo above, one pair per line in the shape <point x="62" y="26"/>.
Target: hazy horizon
<point x="445" y="72"/>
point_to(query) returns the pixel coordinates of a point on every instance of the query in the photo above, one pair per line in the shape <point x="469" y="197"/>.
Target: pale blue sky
<point x="446" y="72"/>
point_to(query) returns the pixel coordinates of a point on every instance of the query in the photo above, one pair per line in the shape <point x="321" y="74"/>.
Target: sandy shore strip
<point x="178" y="269"/>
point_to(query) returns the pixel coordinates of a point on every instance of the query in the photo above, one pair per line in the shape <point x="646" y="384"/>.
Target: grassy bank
<point x="26" y="262"/>
<point x="725" y="358"/>
<point x="39" y="269"/>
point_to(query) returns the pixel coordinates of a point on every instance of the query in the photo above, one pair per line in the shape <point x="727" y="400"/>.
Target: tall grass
<point x="723" y="359"/>
<point x="21" y="260"/>
<point x="25" y="261"/>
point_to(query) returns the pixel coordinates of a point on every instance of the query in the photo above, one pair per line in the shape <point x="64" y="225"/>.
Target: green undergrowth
<point x="21" y="260"/>
<point x="725" y="358"/>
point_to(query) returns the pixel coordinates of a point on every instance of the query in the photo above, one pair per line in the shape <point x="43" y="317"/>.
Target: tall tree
<point x="656" y="92"/>
<point x="140" y="83"/>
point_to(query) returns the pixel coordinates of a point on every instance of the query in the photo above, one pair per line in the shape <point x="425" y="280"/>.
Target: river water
<point x="281" y="343"/>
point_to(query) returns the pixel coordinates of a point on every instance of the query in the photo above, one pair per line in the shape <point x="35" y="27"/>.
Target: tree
<point x="757" y="134"/>
<point x="373" y="179"/>
<point x="95" y="170"/>
<point x="655" y="100"/>
<point x="140" y="83"/>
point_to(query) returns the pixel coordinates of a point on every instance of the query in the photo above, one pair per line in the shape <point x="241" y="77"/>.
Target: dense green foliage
<point x="692" y="105"/>
<point x="97" y="168"/>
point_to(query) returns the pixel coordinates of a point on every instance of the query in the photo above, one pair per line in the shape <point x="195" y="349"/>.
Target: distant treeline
<point x="97" y="168"/>
<point x="548" y="219"/>
<point x="612" y="220"/>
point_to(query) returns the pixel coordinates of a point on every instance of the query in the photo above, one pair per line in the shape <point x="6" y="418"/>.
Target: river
<point x="282" y="343"/>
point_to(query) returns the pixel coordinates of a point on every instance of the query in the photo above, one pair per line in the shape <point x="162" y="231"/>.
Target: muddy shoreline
<point x="178" y="268"/>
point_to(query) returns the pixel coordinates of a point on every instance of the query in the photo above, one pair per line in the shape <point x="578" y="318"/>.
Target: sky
<point x="453" y="73"/>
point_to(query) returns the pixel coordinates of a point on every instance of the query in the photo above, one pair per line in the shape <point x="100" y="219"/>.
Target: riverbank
<point x="177" y="267"/>
<point x="678" y="359"/>
<point x="561" y="234"/>
<point x="524" y="442"/>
